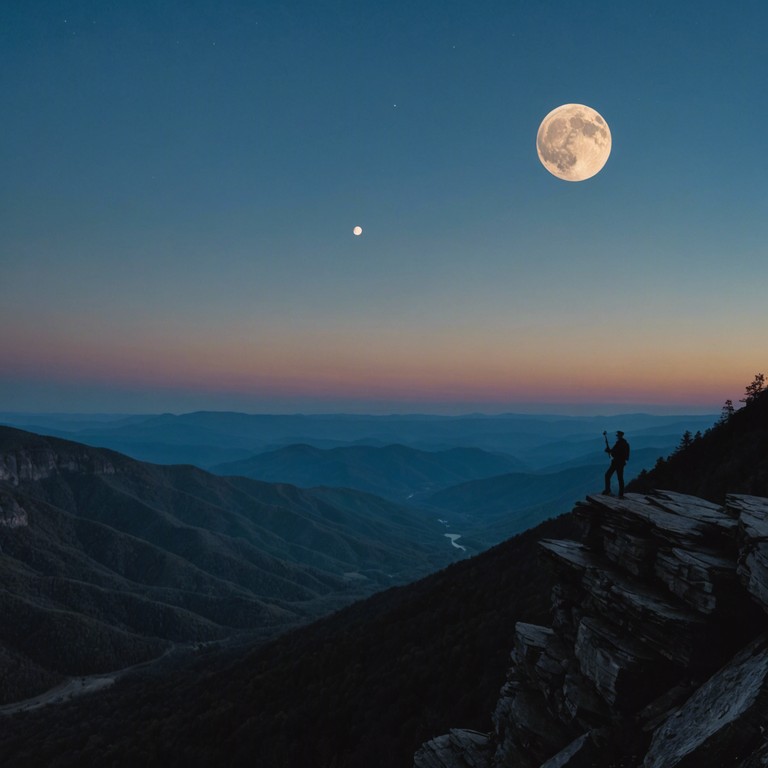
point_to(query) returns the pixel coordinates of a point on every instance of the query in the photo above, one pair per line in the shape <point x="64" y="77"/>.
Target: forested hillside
<point x="730" y="457"/>
<point x="106" y="562"/>
<point x="362" y="688"/>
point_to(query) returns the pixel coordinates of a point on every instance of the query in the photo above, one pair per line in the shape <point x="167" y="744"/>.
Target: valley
<point x="182" y="574"/>
<point x="107" y="562"/>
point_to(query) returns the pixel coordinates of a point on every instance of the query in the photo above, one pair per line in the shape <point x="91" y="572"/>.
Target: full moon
<point x="573" y="142"/>
<point x="357" y="231"/>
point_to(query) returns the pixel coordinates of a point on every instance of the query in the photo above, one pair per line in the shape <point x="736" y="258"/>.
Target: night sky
<point x="180" y="181"/>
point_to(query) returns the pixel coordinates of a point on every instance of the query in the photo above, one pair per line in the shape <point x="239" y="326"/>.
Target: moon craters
<point x="573" y="142"/>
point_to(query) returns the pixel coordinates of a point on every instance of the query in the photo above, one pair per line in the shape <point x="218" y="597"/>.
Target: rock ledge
<point x="658" y="651"/>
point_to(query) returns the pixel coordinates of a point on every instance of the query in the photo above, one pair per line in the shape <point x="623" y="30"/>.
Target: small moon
<point x="357" y="231"/>
<point x="573" y="142"/>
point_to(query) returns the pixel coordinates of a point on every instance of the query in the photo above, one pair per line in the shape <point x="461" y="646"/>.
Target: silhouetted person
<point x="619" y="456"/>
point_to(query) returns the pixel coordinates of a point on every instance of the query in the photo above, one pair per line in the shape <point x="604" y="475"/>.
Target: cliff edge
<point x="657" y="655"/>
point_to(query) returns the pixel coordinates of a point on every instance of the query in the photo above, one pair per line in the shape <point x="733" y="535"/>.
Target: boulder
<point x="723" y="722"/>
<point x="752" y="567"/>
<point x="673" y="517"/>
<point x="703" y="578"/>
<point x="658" y="620"/>
<point x="654" y="617"/>
<point x="752" y="513"/>
<point x="625" y="672"/>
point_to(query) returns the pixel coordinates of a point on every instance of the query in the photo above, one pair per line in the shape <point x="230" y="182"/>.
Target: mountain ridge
<point x="209" y="438"/>
<point x="134" y="557"/>
<point x="364" y="687"/>
<point x="395" y="471"/>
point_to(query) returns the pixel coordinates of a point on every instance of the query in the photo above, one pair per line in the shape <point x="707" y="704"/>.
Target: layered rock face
<point x="17" y="466"/>
<point x="658" y="651"/>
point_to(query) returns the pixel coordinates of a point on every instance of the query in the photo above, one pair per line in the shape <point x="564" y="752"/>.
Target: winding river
<point x="454" y="537"/>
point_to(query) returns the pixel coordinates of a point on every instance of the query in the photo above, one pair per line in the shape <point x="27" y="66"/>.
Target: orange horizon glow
<point x="585" y="363"/>
<point x="388" y="367"/>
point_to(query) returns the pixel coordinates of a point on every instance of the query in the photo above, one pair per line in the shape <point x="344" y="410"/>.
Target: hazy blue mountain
<point x="488" y="510"/>
<point x="106" y="561"/>
<point x="395" y="471"/>
<point x="493" y="509"/>
<point x="209" y="438"/>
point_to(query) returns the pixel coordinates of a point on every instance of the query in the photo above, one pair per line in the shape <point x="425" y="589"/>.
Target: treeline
<point x="730" y="457"/>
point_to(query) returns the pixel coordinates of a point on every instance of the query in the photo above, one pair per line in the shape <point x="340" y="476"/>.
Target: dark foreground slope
<point x="106" y="562"/>
<point x="361" y="688"/>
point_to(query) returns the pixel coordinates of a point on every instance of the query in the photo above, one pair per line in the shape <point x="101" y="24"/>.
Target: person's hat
<point x="619" y="433"/>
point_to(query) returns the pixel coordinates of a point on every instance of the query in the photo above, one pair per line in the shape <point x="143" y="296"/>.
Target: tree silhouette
<point x="754" y="389"/>
<point x="686" y="441"/>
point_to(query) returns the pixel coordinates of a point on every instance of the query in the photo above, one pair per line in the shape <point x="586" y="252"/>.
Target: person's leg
<point x="620" y="478"/>
<point x="608" y="476"/>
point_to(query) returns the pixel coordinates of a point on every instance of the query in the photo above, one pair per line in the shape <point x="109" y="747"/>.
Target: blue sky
<point x="180" y="183"/>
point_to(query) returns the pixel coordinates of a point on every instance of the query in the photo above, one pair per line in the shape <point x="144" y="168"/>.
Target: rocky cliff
<point x="657" y="655"/>
<point x="29" y="465"/>
<point x="29" y="458"/>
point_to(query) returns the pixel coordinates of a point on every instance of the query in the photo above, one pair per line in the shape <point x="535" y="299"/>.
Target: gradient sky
<point x="180" y="181"/>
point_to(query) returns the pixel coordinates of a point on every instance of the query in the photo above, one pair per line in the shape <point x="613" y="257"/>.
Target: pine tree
<point x="754" y="389"/>
<point x="686" y="441"/>
<point x="727" y="411"/>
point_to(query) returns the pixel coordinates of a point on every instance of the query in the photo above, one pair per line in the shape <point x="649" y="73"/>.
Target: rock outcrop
<point x="12" y="514"/>
<point x="658" y="651"/>
<point x="17" y="466"/>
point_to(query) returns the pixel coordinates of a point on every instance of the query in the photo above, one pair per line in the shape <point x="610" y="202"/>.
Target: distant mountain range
<point x="207" y="439"/>
<point x="107" y="562"/>
<point x="364" y="686"/>
<point x="480" y="495"/>
<point x="493" y="509"/>
<point x="395" y="472"/>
